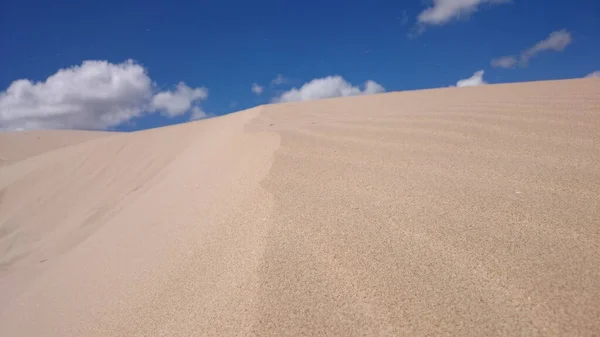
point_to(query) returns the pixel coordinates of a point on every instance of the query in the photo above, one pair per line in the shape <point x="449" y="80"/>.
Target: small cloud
<point x="197" y="113"/>
<point x="328" y="87"/>
<point x="593" y="74"/>
<point x="279" y="80"/>
<point x="232" y="104"/>
<point x="404" y="18"/>
<point x="473" y="81"/>
<point x="556" y="41"/>
<point x="507" y="62"/>
<point x="257" y="89"/>
<point x="372" y="87"/>
<point x="444" y="11"/>
<point x="179" y="101"/>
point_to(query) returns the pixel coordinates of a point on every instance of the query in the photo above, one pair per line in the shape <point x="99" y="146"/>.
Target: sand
<point x="15" y="146"/>
<point x="456" y="212"/>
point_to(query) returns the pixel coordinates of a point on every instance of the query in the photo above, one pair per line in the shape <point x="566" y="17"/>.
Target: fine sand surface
<point x="15" y="146"/>
<point x="446" y="212"/>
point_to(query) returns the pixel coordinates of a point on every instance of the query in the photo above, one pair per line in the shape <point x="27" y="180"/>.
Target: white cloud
<point x="556" y="41"/>
<point x="475" y="80"/>
<point x="257" y="89"/>
<point x="178" y="102"/>
<point x="443" y="11"/>
<point x="96" y="94"/>
<point x="507" y="62"/>
<point x="93" y="95"/>
<point x="197" y="113"/>
<point x="372" y="87"/>
<point x="327" y="87"/>
<point x="593" y="74"/>
<point x="279" y="80"/>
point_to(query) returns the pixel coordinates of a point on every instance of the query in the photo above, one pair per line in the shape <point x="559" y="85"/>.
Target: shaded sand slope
<point x="15" y="146"/>
<point x="150" y="233"/>
<point x="471" y="211"/>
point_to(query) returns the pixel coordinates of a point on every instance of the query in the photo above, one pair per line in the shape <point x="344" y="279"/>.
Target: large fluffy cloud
<point x="556" y="41"/>
<point x="443" y="11"/>
<point x="93" y="95"/>
<point x="327" y="87"/>
<point x="475" y="80"/>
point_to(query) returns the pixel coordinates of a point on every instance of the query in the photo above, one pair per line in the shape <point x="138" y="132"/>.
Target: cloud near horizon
<point x="179" y="101"/>
<point x="593" y="74"/>
<point x="197" y="113"/>
<point x="444" y="11"/>
<point x="93" y="95"/>
<point x="473" y="81"/>
<point x="327" y="87"/>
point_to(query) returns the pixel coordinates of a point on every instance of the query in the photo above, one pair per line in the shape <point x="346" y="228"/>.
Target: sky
<point x="131" y="65"/>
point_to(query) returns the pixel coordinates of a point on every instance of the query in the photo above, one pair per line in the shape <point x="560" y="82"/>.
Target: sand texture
<point x="446" y="212"/>
<point x="15" y="146"/>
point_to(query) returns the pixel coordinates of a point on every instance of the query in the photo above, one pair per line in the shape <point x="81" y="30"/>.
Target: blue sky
<point x="224" y="47"/>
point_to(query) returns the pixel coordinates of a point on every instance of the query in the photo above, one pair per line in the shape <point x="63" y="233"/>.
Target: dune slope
<point x="15" y="146"/>
<point x="463" y="211"/>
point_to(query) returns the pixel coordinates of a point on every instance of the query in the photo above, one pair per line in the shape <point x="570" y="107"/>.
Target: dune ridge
<point x="458" y="211"/>
<point x="16" y="146"/>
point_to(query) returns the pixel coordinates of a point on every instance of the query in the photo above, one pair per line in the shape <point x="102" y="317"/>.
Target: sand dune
<point x="462" y="211"/>
<point x="15" y="146"/>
